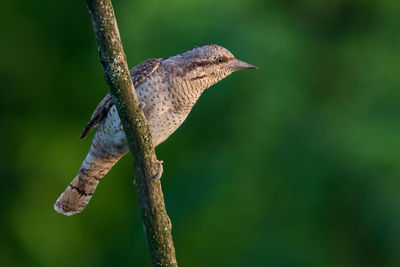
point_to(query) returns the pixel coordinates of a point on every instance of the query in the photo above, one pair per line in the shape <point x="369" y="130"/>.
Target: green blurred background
<point x="296" y="164"/>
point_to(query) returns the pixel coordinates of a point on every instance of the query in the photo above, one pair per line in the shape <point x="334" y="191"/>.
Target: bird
<point x="167" y="89"/>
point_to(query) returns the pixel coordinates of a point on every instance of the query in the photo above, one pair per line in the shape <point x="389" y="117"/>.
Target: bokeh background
<point x="296" y="164"/>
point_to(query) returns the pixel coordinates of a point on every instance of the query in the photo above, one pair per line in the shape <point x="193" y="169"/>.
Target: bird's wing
<point x="138" y="74"/>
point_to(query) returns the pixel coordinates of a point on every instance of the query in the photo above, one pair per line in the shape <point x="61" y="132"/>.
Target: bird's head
<point x="206" y="65"/>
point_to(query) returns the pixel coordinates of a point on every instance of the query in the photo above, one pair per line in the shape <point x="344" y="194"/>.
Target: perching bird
<point x="167" y="90"/>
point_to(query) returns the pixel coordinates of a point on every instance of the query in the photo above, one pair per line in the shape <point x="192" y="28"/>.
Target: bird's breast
<point x="166" y="107"/>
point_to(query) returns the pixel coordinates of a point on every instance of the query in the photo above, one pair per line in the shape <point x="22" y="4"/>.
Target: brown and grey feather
<point x="138" y="74"/>
<point x="168" y="88"/>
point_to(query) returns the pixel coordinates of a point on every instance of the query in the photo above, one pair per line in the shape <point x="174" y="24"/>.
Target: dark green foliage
<point x="295" y="164"/>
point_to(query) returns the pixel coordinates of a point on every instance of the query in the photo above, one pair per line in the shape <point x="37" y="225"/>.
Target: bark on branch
<point x="151" y="200"/>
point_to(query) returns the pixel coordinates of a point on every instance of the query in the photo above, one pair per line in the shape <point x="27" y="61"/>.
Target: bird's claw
<point x="159" y="172"/>
<point x="158" y="175"/>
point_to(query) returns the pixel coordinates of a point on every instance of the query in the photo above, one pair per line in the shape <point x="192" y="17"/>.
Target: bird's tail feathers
<point x="78" y="193"/>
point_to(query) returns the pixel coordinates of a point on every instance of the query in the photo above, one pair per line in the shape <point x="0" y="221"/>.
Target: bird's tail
<point x="78" y="193"/>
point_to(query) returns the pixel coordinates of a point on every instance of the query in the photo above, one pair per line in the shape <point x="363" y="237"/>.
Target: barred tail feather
<point x="78" y="193"/>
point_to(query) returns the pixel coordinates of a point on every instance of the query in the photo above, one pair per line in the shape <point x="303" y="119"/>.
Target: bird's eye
<point x="220" y="60"/>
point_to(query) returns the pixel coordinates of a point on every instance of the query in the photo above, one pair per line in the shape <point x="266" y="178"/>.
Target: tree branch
<point x="151" y="200"/>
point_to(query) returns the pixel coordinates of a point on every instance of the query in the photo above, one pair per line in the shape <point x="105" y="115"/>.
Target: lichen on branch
<point x="156" y="222"/>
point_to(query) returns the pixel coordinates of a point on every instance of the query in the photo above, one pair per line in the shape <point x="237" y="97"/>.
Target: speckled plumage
<point x="168" y="88"/>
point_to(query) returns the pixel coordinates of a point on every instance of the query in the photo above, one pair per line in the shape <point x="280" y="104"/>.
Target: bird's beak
<point x="241" y="65"/>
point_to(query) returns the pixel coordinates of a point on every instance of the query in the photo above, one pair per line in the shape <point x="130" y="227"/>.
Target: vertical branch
<point x="151" y="200"/>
